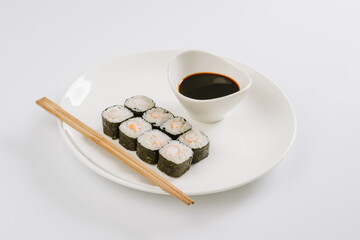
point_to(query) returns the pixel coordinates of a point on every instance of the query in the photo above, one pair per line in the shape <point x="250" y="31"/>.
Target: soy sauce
<point x="204" y="86"/>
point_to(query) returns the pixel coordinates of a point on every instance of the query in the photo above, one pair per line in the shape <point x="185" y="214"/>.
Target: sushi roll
<point x="174" y="127"/>
<point x="156" y="116"/>
<point x="130" y="130"/>
<point x="112" y="117"/>
<point x="175" y="159"/>
<point x="139" y="104"/>
<point x="148" y="145"/>
<point x="198" y="142"/>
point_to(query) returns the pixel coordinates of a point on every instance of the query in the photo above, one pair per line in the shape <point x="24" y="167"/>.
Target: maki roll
<point x="112" y="117"/>
<point x="148" y="145"/>
<point x="174" y="127"/>
<point x="175" y="159"/>
<point x="130" y="130"/>
<point x="139" y="104"/>
<point x="198" y="142"/>
<point x="156" y="116"/>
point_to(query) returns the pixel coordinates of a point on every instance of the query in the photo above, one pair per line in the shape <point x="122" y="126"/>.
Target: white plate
<point x="251" y="140"/>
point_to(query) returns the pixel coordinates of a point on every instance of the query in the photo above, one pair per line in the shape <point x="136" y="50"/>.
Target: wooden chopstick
<point x="112" y="148"/>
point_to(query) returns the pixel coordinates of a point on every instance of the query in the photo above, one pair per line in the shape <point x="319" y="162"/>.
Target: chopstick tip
<point x="41" y="101"/>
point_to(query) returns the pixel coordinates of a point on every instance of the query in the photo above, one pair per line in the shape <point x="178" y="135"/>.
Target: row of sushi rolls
<point x="157" y="136"/>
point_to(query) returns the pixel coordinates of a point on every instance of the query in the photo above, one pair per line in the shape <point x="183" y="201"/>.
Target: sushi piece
<point x="156" y="116"/>
<point x="139" y="104"/>
<point x="148" y="145"/>
<point x="174" y="127"/>
<point x="130" y="130"/>
<point x="198" y="142"/>
<point x="112" y="117"/>
<point x="175" y="159"/>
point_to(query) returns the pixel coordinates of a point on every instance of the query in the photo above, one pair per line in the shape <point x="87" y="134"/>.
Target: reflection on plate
<point x="251" y="140"/>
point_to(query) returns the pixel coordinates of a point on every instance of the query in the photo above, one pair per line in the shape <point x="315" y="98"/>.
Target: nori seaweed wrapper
<point x="147" y="155"/>
<point x="110" y="129"/>
<point x="127" y="142"/>
<point x="136" y="113"/>
<point x="173" y="137"/>
<point x="158" y="128"/>
<point x="200" y="153"/>
<point x="172" y="169"/>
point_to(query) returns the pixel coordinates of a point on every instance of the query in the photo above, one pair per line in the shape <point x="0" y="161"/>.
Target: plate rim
<point x="155" y="189"/>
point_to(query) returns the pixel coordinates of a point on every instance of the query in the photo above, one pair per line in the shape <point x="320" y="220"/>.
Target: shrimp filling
<point x="176" y="152"/>
<point x="134" y="127"/>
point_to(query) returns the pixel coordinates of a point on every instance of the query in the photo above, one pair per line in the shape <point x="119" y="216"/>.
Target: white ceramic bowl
<point x="212" y="110"/>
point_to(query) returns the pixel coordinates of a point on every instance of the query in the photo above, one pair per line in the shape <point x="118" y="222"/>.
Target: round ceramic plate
<point x="250" y="141"/>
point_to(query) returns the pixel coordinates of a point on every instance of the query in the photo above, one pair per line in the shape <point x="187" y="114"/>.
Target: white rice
<point x="176" y="125"/>
<point x="139" y="103"/>
<point x="157" y="116"/>
<point x="194" y="139"/>
<point x="117" y="114"/>
<point x="176" y="152"/>
<point x="153" y="139"/>
<point x="134" y="127"/>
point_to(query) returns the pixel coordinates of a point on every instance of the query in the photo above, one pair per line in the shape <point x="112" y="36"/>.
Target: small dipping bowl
<point x="192" y="62"/>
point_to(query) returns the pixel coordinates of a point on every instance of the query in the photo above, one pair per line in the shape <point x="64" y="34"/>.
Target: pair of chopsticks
<point x="112" y="148"/>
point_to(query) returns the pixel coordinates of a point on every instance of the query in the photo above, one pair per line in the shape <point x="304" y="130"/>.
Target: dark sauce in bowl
<point x="203" y="86"/>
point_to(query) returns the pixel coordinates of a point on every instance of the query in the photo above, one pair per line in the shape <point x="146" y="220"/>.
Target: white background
<point x="310" y="49"/>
